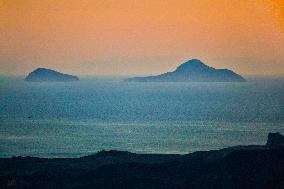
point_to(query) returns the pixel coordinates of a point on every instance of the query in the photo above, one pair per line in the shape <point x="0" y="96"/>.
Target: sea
<point x="74" y="119"/>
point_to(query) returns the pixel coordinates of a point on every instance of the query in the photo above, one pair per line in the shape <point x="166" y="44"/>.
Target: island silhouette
<point x="48" y="75"/>
<point x="193" y="71"/>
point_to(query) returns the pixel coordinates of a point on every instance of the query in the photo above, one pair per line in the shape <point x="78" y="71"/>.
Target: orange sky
<point x="140" y="37"/>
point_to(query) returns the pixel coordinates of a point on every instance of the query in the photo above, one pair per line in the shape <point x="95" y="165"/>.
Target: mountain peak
<point x="194" y="61"/>
<point x="41" y="69"/>
<point x="193" y="64"/>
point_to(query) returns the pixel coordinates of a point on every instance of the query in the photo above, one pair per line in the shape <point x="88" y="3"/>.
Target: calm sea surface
<point x="80" y="118"/>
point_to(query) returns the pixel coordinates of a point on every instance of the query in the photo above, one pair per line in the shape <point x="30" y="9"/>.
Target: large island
<point x="48" y="75"/>
<point x="193" y="71"/>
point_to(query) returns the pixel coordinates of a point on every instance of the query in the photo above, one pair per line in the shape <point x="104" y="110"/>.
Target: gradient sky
<point x="141" y="37"/>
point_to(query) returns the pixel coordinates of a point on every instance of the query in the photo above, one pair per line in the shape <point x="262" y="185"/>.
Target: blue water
<point x="80" y="118"/>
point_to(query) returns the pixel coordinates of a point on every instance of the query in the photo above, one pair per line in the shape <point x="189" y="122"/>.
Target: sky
<point x="141" y="37"/>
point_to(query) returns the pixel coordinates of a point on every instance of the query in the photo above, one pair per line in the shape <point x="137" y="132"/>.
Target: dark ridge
<point x="112" y="153"/>
<point x="239" y="167"/>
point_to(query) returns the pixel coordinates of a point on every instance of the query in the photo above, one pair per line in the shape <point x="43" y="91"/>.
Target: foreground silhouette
<point x="258" y="167"/>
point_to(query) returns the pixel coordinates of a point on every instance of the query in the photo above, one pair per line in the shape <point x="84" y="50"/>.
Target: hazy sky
<point x="141" y="37"/>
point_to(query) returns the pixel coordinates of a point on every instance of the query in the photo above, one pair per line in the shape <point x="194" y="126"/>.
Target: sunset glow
<point x="141" y="37"/>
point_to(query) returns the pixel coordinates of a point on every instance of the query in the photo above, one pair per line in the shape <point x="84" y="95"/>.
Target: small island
<point x="48" y="75"/>
<point x="193" y="71"/>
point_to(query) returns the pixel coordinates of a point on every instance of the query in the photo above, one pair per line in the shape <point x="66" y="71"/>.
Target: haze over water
<point x="80" y="118"/>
